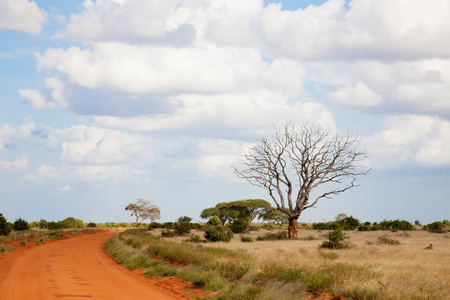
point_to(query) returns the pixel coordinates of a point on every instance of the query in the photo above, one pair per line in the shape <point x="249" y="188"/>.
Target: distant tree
<point x="225" y="215"/>
<point x="248" y="209"/>
<point x="43" y="224"/>
<point x="21" y="224"/>
<point x="5" y="227"/>
<point x="144" y="209"/>
<point x="182" y="225"/>
<point x="297" y="160"/>
<point x="274" y="215"/>
<point x="417" y="222"/>
<point x="340" y="217"/>
<point x="350" y="223"/>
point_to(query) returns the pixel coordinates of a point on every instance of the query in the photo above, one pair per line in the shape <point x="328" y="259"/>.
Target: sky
<point x="104" y="102"/>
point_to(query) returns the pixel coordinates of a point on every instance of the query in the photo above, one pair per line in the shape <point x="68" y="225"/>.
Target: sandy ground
<point x="76" y="268"/>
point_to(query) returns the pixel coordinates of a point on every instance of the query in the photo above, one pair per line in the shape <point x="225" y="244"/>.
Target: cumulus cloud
<point x="358" y="95"/>
<point x="93" y="154"/>
<point x="232" y="115"/>
<point x="20" y="163"/>
<point x="21" y="15"/>
<point x="410" y="139"/>
<point x="55" y="89"/>
<point x="9" y="133"/>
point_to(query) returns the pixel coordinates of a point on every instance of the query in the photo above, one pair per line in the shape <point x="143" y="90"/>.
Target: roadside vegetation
<point x="250" y="268"/>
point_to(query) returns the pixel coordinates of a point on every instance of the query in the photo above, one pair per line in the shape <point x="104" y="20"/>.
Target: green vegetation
<point x="20" y="224"/>
<point x="218" y="233"/>
<point x="234" y="274"/>
<point x="336" y="240"/>
<point x="5" y="227"/>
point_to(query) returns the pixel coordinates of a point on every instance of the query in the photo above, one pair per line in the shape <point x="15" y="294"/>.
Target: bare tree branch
<point x="298" y="159"/>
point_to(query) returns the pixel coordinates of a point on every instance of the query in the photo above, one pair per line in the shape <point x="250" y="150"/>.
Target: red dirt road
<point x="76" y="268"/>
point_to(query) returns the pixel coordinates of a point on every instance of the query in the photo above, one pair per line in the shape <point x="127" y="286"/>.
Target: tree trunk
<point x="293" y="228"/>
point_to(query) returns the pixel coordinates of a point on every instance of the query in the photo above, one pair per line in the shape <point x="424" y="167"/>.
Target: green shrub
<point x="194" y="238"/>
<point x="43" y="224"/>
<point x="435" y="227"/>
<point x="5" y="227"/>
<point x="336" y="240"/>
<point x="386" y="240"/>
<point x="282" y="235"/>
<point x="168" y="225"/>
<point x="21" y="224"/>
<point x="239" y="226"/>
<point x="363" y="228"/>
<point x="91" y="224"/>
<point x="350" y="223"/>
<point x="168" y="233"/>
<point x="34" y="224"/>
<point x="269" y="226"/>
<point x="154" y="225"/>
<point x="214" y="221"/>
<point x="246" y="239"/>
<point x="218" y="234"/>
<point x="182" y="225"/>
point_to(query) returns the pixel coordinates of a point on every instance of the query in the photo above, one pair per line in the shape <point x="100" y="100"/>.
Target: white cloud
<point x="18" y="164"/>
<point x="93" y="154"/>
<point x="55" y="89"/>
<point x="410" y="140"/>
<point x="21" y="15"/>
<point x="234" y="115"/>
<point x="367" y="29"/>
<point x="359" y="95"/>
<point x="9" y="133"/>
<point x="160" y="69"/>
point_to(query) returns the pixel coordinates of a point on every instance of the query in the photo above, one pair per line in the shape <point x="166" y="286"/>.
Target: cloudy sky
<point x="107" y="101"/>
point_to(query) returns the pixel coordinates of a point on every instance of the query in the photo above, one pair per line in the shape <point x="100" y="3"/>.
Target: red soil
<point x="75" y="268"/>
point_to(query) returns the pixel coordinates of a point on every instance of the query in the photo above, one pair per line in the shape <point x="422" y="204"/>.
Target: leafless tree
<point x="298" y="159"/>
<point x="144" y="209"/>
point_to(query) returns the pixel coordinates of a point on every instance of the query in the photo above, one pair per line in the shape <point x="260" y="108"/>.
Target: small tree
<point x="5" y="228"/>
<point x="21" y="224"/>
<point x="43" y="224"/>
<point x="274" y="215"/>
<point x="182" y="225"/>
<point x="144" y="209"/>
<point x="296" y="160"/>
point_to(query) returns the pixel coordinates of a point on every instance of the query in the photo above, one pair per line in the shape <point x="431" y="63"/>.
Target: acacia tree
<point x="144" y="209"/>
<point x="248" y="209"/>
<point x="298" y="159"/>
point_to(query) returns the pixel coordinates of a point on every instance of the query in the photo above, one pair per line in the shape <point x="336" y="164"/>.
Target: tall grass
<point x="283" y="273"/>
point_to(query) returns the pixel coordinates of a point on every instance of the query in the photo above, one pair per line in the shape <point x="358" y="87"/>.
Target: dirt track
<point x="76" y="268"/>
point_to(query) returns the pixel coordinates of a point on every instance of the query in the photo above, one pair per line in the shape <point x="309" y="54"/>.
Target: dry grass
<point x="403" y="271"/>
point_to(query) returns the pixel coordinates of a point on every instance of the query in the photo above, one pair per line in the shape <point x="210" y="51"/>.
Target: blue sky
<point x="104" y="102"/>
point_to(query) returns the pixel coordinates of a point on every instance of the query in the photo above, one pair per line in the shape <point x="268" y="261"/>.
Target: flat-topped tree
<point x="298" y="159"/>
<point x="144" y="209"/>
<point x="248" y="209"/>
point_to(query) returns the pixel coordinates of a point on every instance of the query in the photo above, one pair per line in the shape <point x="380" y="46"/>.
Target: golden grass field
<point x="407" y="270"/>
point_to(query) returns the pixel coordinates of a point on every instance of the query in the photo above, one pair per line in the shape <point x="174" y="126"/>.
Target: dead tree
<point x="298" y="159"/>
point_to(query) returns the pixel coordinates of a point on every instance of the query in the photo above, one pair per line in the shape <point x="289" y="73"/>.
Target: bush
<point x="168" y="225"/>
<point x="34" y="224"/>
<point x="336" y="240"/>
<point x="182" y="225"/>
<point x="363" y="228"/>
<point x="435" y="227"/>
<point x="246" y="239"/>
<point x="386" y="240"/>
<point x="218" y="234"/>
<point x="21" y="224"/>
<point x="168" y="233"/>
<point x="5" y="228"/>
<point x="239" y="226"/>
<point x="214" y="221"/>
<point x="91" y="224"/>
<point x="43" y="224"/>
<point x="195" y="238"/>
<point x="154" y="225"/>
<point x="269" y="226"/>
<point x="350" y="223"/>
<point x="401" y="225"/>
